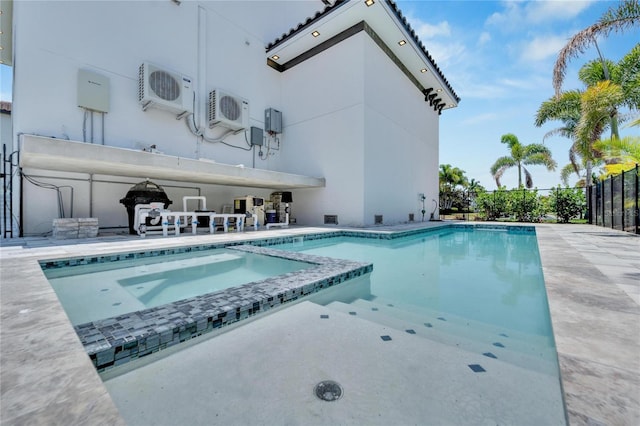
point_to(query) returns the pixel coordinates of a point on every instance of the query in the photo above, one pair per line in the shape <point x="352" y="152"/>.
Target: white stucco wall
<point x="323" y="97"/>
<point x="357" y="120"/>
<point x="349" y="114"/>
<point x="401" y="142"/>
<point x="56" y="39"/>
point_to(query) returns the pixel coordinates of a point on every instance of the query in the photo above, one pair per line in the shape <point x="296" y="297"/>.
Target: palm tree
<point x="474" y="186"/>
<point x="567" y="109"/>
<point x="450" y="177"/>
<point x="586" y="115"/>
<point x="521" y="155"/>
<point x="625" y="15"/>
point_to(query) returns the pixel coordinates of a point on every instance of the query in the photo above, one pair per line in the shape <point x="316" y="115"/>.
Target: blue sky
<point x="499" y="57"/>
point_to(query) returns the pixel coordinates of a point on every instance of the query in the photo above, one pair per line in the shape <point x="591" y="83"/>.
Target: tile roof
<point x="402" y="19"/>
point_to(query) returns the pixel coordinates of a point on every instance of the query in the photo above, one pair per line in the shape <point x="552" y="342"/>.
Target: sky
<point x="498" y="56"/>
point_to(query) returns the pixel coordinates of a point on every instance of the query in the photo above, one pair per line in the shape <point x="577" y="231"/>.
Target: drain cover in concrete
<point x="328" y="390"/>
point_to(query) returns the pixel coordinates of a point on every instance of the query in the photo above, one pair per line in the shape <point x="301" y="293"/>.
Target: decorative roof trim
<point x="419" y="43"/>
<point x="310" y="21"/>
<point x="327" y="10"/>
<point x="353" y="30"/>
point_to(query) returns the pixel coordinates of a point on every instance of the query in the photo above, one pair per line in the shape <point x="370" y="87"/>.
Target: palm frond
<point x="599" y="103"/>
<point x="565" y="108"/>
<point x="541" y="159"/>
<point x="502" y="163"/>
<point x="566" y="172"/>
<point x="628" y="77"/>
<point x="528" y="180"/>
<point x="560" y="131"/>
<point x="625" y="15"/>
<point x="593" y="71"/>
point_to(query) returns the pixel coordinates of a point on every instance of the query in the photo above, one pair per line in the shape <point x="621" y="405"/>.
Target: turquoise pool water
<point x="475" y="286"/>
<point x="104" y="290"/>
<point x="488" y="276"/>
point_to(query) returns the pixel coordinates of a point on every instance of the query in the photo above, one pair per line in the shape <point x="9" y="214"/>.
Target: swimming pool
<point x="402" y="358"/>
<point x="94" y="291"/>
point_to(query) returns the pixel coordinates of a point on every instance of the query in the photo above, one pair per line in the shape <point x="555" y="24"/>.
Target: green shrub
<point x="569" y="203"/>
<point x="526" y="205"/>
<point x="493" y="205"/>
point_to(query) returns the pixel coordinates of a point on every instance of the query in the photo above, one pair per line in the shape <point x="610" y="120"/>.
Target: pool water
<point x="105" y="290"/>
<point x="451" y="327"/>
<point x="472" y="288"/>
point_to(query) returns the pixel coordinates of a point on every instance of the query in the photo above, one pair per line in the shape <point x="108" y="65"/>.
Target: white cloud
<point x="484" y="38"/>
<point x="425" y="30"/>
<point x="540" y="11"/>
<point x="510" y="17"/>
<point x="469" y="88"/>
<point x="446" y="54"/>
<point x="542" y="47"/>
<point x="517" y="14"/>
<point x="481" y="118"/>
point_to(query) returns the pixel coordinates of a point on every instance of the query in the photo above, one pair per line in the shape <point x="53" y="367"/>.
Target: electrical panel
<point x="272" y="121"/>
<point x="257" y="137"/>
<point x="93" y="91"/>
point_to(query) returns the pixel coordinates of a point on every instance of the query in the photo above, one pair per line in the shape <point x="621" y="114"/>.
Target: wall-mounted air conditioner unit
<point x="228" y="111"/>
<point x="160" y="88"/>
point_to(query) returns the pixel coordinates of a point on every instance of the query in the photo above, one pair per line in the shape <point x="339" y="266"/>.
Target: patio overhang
<point x="70" y="156"/>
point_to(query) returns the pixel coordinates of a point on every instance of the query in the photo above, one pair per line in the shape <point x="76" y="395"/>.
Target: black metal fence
<point x="613" y="203"/>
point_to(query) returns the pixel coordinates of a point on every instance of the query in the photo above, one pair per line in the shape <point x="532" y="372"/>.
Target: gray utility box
<point x="272" y="121"/>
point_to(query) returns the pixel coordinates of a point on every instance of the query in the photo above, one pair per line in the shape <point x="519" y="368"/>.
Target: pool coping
<point x="39" y="386"/>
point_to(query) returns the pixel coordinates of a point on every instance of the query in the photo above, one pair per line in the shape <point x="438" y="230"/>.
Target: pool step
<point x="480" y="328"/>
<point x="453" y="325"/>
<point x="492" y="346"/>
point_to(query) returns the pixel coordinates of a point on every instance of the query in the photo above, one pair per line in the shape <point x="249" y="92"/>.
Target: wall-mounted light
<point x="423" y="70"/>
<point x="402" y="42"/>
<point x="275" y="57"/>
<point x="369" y="2"/>
<point x="439" y="90"/>
<point x="315" y="33"/>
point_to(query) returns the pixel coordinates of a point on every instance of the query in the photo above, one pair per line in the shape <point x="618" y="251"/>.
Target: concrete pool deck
<point x="592" y="276"/>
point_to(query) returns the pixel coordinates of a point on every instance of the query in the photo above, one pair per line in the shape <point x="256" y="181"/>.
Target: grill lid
<point x="144" y="193"/>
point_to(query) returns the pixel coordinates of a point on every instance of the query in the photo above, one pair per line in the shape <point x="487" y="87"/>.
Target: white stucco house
<point x="358" y="94"/>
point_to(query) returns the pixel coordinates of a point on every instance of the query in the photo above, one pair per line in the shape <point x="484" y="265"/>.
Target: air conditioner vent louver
<point x="228" y="111"/>
<point x="164" y="85"/>
<point x="164" y="89"/>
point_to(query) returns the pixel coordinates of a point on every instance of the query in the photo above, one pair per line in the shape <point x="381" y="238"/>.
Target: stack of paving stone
<point x="68" y="228"/>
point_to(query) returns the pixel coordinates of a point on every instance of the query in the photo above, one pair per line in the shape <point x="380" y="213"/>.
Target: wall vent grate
<point x="330" y="219"/>
<point x="377" y="219"/>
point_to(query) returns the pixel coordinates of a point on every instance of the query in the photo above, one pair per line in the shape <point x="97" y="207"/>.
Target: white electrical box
<point x="93" y="91"/>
